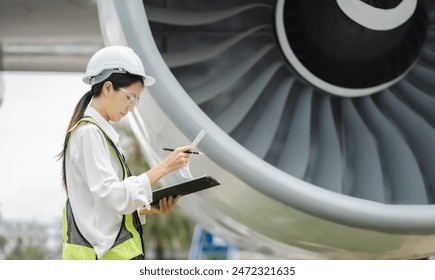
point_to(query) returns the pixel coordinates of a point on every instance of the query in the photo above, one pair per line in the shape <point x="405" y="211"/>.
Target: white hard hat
<point x="114" y="59"/>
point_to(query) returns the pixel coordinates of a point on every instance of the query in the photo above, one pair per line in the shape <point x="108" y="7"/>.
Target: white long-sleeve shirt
<point x="97" y="194"/>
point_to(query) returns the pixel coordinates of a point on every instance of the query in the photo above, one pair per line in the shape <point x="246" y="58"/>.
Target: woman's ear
<point x="107" y="87"/>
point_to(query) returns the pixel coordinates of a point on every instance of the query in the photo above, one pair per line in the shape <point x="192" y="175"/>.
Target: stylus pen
<point x="187" y="152"/>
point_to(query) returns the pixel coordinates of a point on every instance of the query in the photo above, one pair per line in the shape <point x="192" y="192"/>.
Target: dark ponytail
<point x="77" y="115"/>
<point x="118" y="80"/>
<point x="80" y="109"/>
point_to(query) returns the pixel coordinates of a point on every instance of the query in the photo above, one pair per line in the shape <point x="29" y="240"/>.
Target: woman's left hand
<point x="166" y="205"/>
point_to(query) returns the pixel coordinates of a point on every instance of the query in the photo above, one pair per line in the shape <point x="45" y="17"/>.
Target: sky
<point x="34" y="115"/>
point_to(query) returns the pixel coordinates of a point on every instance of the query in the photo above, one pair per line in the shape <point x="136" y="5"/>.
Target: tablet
<point x="185" y="188"/>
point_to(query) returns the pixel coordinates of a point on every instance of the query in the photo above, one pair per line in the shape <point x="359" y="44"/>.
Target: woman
<point x="106" y="206"/>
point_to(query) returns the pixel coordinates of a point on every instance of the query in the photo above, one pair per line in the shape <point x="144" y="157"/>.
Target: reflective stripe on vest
<point x="128" y="244"/>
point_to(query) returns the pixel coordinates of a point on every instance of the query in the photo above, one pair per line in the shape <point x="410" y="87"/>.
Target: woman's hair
<point x="118" y="80"/>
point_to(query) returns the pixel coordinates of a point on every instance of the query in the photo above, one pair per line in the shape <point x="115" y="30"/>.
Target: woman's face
<point x="122" y="101"/>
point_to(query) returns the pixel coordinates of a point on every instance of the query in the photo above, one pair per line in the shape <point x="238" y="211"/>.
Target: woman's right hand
<point x="177" y="159"/>
<point x="174" y="161"/>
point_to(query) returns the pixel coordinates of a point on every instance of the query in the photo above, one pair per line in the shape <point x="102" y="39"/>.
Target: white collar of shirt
<point x="113" y="135"/>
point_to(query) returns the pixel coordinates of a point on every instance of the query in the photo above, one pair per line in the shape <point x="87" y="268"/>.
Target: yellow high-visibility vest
<point x="128" y="244"/>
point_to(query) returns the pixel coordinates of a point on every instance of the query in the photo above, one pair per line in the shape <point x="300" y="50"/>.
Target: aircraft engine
<point x="319" y="116"/>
